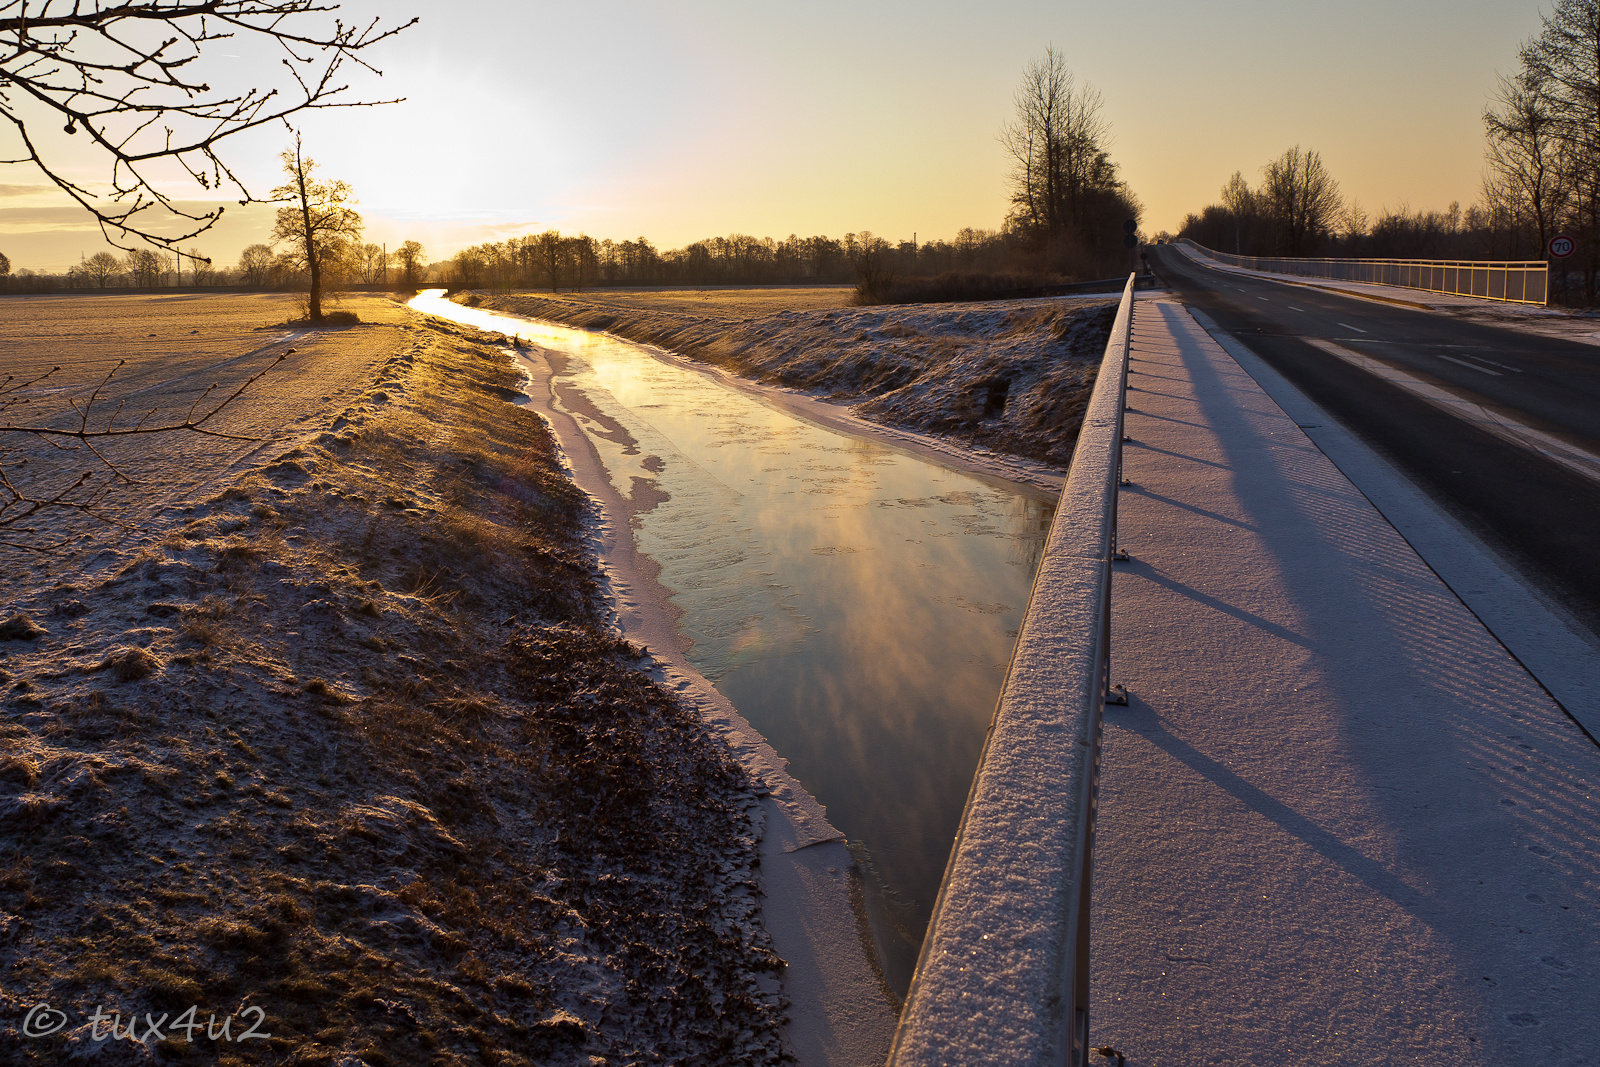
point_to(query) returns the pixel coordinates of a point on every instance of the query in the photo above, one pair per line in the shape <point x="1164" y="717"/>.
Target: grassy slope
<point x="1012" y="376"/>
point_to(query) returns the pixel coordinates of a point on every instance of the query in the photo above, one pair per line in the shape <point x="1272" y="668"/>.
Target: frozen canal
<point x="857" y="604"/>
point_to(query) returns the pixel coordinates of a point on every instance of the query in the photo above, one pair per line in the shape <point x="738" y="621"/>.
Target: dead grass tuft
<point x="130" y="664"/>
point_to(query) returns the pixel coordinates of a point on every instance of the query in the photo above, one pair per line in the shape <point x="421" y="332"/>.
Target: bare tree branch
<point x="96" y="66"/>
<point x="86" y="493"/>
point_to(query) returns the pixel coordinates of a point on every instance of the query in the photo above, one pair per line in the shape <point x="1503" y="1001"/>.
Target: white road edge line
<point x="1469" y="366"/>
<point x="1544" y="638"/>
<point x="1575" y="459"/>
<point x="1347" y="326"/>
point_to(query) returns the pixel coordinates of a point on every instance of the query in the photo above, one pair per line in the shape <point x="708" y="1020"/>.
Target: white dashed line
<point x="1464" y="363"/>
<point x="1347" y="326"/>
<point x="1492" y="363"/>
<point x="1263" y="299"/>
<point x="1291" y="307"/>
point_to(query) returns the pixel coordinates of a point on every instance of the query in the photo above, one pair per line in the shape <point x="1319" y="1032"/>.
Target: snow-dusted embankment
<point x="1010" y="376"/>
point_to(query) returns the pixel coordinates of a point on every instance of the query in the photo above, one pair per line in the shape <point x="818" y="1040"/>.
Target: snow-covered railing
<point x="1516" y="281"/>
<point x="1003" y="978"/>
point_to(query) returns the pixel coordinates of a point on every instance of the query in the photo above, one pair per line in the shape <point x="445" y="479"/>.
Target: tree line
<point x="553" y="260"/>
<point x="1541" y="178"/>
<point x="1068" y="209"/>
<point x="1066" y="221"/>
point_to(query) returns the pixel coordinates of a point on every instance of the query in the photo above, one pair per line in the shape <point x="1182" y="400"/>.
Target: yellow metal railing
<point x="1515" y="281"/>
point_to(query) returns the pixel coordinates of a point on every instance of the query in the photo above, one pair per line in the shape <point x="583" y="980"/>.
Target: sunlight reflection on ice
<point x="857" y="604"/>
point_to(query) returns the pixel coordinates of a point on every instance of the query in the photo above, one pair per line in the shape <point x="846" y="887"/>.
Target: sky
<point x="691" y="118"/>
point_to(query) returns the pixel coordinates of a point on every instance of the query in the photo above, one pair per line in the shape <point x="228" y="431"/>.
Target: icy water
<point x="857" y="604"/>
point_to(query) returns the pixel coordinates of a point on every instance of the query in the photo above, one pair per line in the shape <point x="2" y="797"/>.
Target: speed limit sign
<point x="1562" y="246"/>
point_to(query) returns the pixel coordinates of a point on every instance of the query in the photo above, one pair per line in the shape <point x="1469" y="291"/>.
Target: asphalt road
<point x="1542" y="517"/>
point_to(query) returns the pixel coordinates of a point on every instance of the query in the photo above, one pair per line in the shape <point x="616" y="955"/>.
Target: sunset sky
<point x="688" y="119"/>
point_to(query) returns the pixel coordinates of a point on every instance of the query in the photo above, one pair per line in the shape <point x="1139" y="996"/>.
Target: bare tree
<point x="374" y="264"/>
<point x="255" y="264"/>
<point x="318" y="224"/>
<point x="1301" y="199"/>
<point x="584" y="259"/>
<point x="146" y="267"/>
<point x="119" y="72"/>
<point x="1525" y="154"/>
<point x="1564" y="60"/>
<point x="551" y="258"/>
<point x="1241" y="202"/>
<point x="411" y="257"/>
<point x="1057" y="142"/>
<point x="200" y="267"/>
<point x="100" y="268"/>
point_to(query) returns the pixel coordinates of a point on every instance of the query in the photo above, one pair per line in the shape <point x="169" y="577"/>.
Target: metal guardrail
<point x="1516" y="281"/>
<point x="1003" y="978"/>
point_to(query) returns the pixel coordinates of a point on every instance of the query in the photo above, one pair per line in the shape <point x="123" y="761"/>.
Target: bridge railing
<point x="1516" y="281"/>
<point x="1003" y="978"/>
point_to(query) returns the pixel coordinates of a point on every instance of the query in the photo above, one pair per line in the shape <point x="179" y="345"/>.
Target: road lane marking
<point x="1492" y="363"/>
<point x="1347" y="326"/>
<point x="1263" y="299"/>
<point x="1469" y="366"/>
<point x="1575" y="459"/>
<point x="1291" y="307"/>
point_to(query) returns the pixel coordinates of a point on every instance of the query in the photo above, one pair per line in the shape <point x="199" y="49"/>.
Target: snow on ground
<point x="1010" y="376"/>
<point x="340" y="730"/>
<point x="1567" y="324"/>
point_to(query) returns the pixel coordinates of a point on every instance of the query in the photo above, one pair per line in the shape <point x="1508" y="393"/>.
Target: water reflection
<point x="858" y="605"/>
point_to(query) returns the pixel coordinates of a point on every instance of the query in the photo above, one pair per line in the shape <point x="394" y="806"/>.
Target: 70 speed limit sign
<point x="1561" y="247"/>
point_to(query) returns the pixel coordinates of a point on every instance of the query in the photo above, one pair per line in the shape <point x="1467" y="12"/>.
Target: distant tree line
<point x="1068" y="209"/>
<point x="553" y="260"/>
<point x="260" y="266"/>
<point x="1542" y="178"/>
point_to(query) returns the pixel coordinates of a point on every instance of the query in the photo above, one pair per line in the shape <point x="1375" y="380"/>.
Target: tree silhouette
<point x="318" y="224"/>
<point x="411" y="257"/>
<point x="122" y="74"/>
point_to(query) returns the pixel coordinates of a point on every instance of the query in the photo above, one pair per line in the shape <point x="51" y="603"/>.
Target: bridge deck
<point x="1339" y="823"/>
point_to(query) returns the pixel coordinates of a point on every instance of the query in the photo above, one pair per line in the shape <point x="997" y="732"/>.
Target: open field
<point x="171" y="349"/>
<point x="338" y="731"/>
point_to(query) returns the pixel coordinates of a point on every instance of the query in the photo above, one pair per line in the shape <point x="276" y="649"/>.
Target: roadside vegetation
<point x="1541" y="178"/>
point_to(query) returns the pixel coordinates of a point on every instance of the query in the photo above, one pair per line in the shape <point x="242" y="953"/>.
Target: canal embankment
<point x="854" y="602"/>
<point x="1006" y="378"/>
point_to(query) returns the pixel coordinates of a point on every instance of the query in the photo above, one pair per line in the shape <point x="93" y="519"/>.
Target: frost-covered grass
<point x="352" y="741"/>
<point x="1012" y="376"/>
